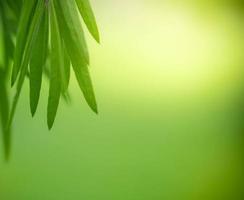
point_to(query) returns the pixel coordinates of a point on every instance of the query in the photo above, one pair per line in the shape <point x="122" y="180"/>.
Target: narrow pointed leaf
<point x="88" y="17"/>
<point x="32" y="36"/>
<point x="84" y="80"/>
<point x="24" y="25"/>
<point x="56" y="62"/>
<point x="70" y="25"/>
<point x="37" y="62"/>
<point x="65" y="70"/>
<point x="74" y="46"/>
<point x="4" y="112"/>
<point x="8" y="46"/>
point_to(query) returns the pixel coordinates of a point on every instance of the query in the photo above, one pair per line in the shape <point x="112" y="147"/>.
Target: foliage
<point x="43" y="37"/>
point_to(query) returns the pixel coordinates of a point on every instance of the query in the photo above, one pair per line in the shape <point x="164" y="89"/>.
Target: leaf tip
<point x="50" y="125"/>
<point x="12" y="80"/>
<point x="7" y="155"/>
<point x="7" y="144"/>
<point x="95" y="109"/>
<point x="97" y="38"/>
<point x="14" y="75"/>
<point x="33" y="112"/>
<point x="33" y="107"/>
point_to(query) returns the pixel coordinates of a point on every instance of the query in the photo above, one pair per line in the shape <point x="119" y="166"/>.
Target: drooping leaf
<point x="88" y="17"/>
<point x="37" y="62"/>
<point x="68" y="19"/>
<point x="7" y="54"/>
<point x="70" y="25"/>
<point x="21" y="28"/>
<point x="56" y="56"/>
<point x="65" y="70"/>
<point x="4" y="113"/>
<point x="6" y="38"/>
<point x="27" y="15"/>
<point x="32" y="36"/>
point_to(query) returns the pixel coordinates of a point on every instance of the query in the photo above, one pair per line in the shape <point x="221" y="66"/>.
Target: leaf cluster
<point x="43" y="38"/>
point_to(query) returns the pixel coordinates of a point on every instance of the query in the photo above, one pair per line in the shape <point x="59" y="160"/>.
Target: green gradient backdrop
<point x="167" y="75"/>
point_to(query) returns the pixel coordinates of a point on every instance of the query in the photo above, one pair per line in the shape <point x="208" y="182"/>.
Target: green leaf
<point x="15" y="6"/>
<point x="32" y="36"/>
<point x="65" y="70"/>
<point x="24" y="35"/>
<point x="69" y="23"/>
<point x="56" y="61"/>
<point x="4" y="113"/>
<point x="37" y="62"/>
<point x="6" y="38"/>
<point x="88" y="17"/>
<point x="21" y="40"/>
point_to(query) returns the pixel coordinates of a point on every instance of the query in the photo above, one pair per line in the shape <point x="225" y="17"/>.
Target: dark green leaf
<point x="37" y="62"/>
<point x="32" y="36"/>
<point x="22" y="35"/>
<point x="56" y="62"/>
<point x="4" y="113"/>
<point x="15" y="6"/>
<point x="8" y="46"/>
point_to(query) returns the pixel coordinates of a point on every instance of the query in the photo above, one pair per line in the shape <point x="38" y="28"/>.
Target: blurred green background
<point x="169" y="82"/>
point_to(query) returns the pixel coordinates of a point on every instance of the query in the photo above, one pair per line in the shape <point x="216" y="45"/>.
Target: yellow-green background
<point x="168" y="77"/>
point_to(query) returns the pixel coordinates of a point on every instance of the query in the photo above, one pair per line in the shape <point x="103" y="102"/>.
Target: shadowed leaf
<point x="65" y="70"/>
<point x="22" y="36"/>
<point x="4" y="113"/>
<point x="37" y="62"/>
<point x="56" y="56"/>
<point x="33" y="32"/>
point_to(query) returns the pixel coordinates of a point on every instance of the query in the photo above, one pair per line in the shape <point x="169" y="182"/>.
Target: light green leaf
<point x="72" y="34"/>
<point x="88" y="17"/>
<point x="56" y="61"/>
<point x="37" y="62"/>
